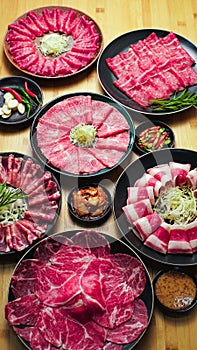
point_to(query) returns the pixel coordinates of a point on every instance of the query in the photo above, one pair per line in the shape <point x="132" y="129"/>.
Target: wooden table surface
<point x="114" y="17"/>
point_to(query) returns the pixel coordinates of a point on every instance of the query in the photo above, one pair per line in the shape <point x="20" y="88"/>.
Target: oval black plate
<point x="117" y="246"/>
<point x="17" y="120"/>
<point x="128" y="177"/>
<point x="121" y="44"/>
<point x="94" y="96"/>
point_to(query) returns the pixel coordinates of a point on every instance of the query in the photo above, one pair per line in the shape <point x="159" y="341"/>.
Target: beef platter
<point x="82" y="134"/>
<point x="157" y="65"/>
<point x="157" y="213"/>
<point x="66" y="288"/>
<point x="30" y="200"/>
<point x="52" y="42"/>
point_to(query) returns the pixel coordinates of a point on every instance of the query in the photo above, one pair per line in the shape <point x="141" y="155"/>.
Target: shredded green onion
<point x="83" y="135"/>
<point x="177" y="205"/>
<point x="55" y="44"/>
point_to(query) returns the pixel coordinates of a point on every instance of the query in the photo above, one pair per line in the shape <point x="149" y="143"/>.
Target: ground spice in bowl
<point x="175" y="290"/>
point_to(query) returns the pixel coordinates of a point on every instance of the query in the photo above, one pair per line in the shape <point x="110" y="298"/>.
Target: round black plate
<point x="17" y="120"/>
<point x="94" y="96"/>
<point x="117" y="246"/>
<point x="121" y="44"/>
<point x="128" y="177"/>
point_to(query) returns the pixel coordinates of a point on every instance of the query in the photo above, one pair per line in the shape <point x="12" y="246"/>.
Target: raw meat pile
<point x="153" y="68"/>
<point x="22" y="37"/>
<point x="43" y="198"/>
<point x="112" y="135"/>
<point x="74" y="294"/>
<point x="147" y="224"/>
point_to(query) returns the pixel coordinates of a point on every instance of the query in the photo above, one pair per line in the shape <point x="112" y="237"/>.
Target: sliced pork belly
<point x="158" y="240"/>
<point x="135" y="194"/>
<point x="179" y="241"/>
<point x="191" y="231"/>
<point x="192" y="178"/>
<point x="179" y="172"/>
<point x="149" y="180"/>
<point x="130" y="330"/>
<point x="137" y="210"/>
<point x="162" y="173"/>
<point x="145" y="225"/>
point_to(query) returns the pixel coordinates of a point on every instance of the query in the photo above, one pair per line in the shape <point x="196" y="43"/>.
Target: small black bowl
<point x="149" y="124"/>
<point x="179" y="277"/>
<point x="88" y="219"/>
<point x="17" y="120"/>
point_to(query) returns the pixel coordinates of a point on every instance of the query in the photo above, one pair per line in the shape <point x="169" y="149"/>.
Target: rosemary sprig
<point x="9" y="195"/>
<point x="185" y="99"/>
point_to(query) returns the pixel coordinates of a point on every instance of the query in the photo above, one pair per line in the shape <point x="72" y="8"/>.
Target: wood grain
<point x="114" y="17"/>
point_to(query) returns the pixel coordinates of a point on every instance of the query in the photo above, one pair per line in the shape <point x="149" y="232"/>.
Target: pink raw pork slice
<point x="144" y="226"/>
<point x="162" y="173"/>
<point x="192" y="235"/>
<point x="179" y="172"/>
<point x="149" y="180"/>
<point x="137" y="210"/>
<point x="158" y="240"/>
<point x="178" y="241"/>
<point x="135" y="194"/>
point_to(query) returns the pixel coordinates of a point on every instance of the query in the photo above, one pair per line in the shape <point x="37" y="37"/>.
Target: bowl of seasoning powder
<point x="175" y="291"/>
<point x="153" y="135"/>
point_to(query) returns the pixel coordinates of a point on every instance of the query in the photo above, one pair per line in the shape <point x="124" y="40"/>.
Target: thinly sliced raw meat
<point x="19" y="28"/>
<point x="68" y="160"/>
<point x="178" y="241"/>
<point x="50" y="17"/>
<point x="146" y="225"/>
<point x="158" y="240"/>
<point x="114" y="124"/>
<point x="179" y="172"/>
<point x="29" y="23"/>
<point x="39" y="21"/>
<point x="149" y="180"/>
<point x="119" y="142"/>
<point x="135" y="194"/>
<point x="129" y="331"/>
<point x="49" y="246"/>
<point x="162" y="173"/>
<point x="38" y="342"/>
<point x="191" y="231"/>
<point x="18" y="238"/>
<point x="104" y="280"/>
<point x="25" y="332"/>
<point x="24" y="310"/>
<point x="100" y="112"/>
<point x="192" y="178"/>
<point x="88" y="163"/>
<point x="132" y="270"/>
<point x="4" y="247"/>
<point x="137" y="210"/>
<point x="93" y="241"/>
<point x="112" y="346"/>
<point x="109" y="158"/>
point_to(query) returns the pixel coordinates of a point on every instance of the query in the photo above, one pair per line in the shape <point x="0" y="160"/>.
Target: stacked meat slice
<point x="148" y="225"/>
<point x="22" y="39"/>
<point x="74" y="294"/>
<point x="43" y="201"/>
<point x="112" y="135"/>
<point x="153" y="68"/>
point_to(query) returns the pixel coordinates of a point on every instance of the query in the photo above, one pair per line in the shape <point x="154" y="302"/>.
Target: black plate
<point x="128" y="177"/>
<point x="121" y="44"/>
<point x="17" y="120"/>
<point x="117" y="246"/>
<point x="15" y="254"/>
<point x="94" y="96"/>
<point x="64" y="9"/>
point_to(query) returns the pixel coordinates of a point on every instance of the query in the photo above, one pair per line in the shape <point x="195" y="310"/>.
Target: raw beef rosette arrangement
<point x="153" y="68"/>
<point x="162" y="208"/>
<point x="82" y="135"/>
<point x="29" y="202"/>
<point x="74" y="294"/>
<point x="53" y="42"/>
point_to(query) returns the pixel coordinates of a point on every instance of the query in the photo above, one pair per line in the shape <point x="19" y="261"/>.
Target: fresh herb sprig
<point x="178" y="101"/>
<point x="9" y="195"/>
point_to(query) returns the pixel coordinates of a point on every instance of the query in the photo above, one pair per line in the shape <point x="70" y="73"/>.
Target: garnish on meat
<point x="83" y="135"/>
<point x="177" y="205"/>
<point x="54" y="44"/>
